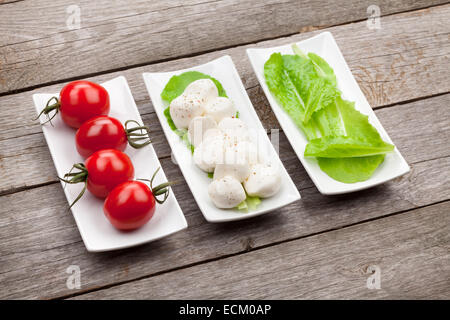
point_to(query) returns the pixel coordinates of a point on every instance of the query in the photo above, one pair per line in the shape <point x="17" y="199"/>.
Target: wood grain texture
<point x="412" y="251"/>
<point x="117" y="34"/>
<point x="25" y="154"/>
<point x="39" y="239"/>
<point x="403" y="62"/>
<point x="371" y="55"/>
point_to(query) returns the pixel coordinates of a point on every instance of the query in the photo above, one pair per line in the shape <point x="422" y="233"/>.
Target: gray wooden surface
<point x="319" y="247"/>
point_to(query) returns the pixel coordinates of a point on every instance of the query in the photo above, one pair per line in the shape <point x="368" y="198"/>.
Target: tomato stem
<point x="76" y="177"/>
<point x="161" y="189"/>
<point x="49" y="108"/>
<point x="138" y="136"/>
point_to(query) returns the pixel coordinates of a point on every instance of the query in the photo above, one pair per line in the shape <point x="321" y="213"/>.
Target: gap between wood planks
<point x="131" y="66"/>
<point x="250" y="249"/>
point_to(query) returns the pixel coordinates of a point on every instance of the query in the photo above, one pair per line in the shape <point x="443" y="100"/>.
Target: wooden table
<point x="318" y="247"/>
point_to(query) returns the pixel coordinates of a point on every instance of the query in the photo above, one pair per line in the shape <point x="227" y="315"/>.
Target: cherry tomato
<point x="102" y="172"/>
<point x="105" y="132"/>
<point x="78" y="102"/>
<point x="106" y="169"/>
<point x="132" y="204"/>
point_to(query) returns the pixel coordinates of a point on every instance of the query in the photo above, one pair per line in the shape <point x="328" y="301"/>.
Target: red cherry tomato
<point x="102" y="172"/>
<point x="106" y="169"/>
<point x="105" y="132"/>
<point x="78" y="102"/>
<point x="130" y="205"/>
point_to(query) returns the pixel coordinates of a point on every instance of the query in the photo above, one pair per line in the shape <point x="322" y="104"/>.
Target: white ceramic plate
<point x="325" y="46"/>
<point x="222" y="69"/>
<point x="97" y="233"/>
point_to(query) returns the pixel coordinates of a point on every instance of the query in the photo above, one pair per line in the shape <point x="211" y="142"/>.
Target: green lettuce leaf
<point x="313" y="84"/>
<point x="357" y="124"/>
<point x="250" y="203"/>
<point x="350" y="170"/>
<point x="349" y="148"/>
<point x="285" y="92"/>
<point x="328" y="121"/>
<point x="345" y="147"/>
<point x="323" y="69"/>
<point x="177" y="84"/>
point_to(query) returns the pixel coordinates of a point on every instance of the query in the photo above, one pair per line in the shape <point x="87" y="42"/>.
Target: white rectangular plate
<point x="325" y="46"/>
<point x="97" y="233"/>
<point x="222" y="69"/>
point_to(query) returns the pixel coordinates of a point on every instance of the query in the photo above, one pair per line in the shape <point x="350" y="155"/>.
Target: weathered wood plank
<point x="26" y="161"/>
<point x="373" y="57"/>
<point x="118" y="34"/>
<point x="411" y="250"/>
<point x="39" y="239"/>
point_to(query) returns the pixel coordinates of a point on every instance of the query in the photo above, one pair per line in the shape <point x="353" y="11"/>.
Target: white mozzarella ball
<point x="204" y="88"/>
<point x="209" y="153"/>
<point x="234" y="124"/>
<point x="184" y="108"/>
<point x="226" y="192"/>
<point x="242" y="151"/>
<point x="239" y="171"/>
<point x="198" y="127"/>
<point x="264" y="181"/>
<point x="235" y="130"/>
<point x="212" y="134"/>
<point x="219" y="108"/>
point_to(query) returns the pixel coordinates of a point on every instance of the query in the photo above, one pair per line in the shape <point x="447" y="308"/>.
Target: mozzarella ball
<point x="220" y="108"/>
<point x="242" y="151"/>
<point x="264" y="181"/>
<point x="212" y="133"/>
<point x="235" y="130"/>
<point x="234" y="124"/>
<point x="226" y="192"/>
<point x="184" y="108"/>
<point x="209" y="153"/>
<point x="204" y="88"/>
<point x="198" y="127"/>
<point x="239" y="171"/>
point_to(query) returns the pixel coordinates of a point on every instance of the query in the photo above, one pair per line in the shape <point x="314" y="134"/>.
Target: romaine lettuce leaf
<point x="328" y="121"/>
<point x="323" y="69"/>
<point x="349" y="148"/>
<point x="357" y="124"/>
<point x="314" y="91"/>
<point x="344" y="147"/>
<point x="285" y="92"/>
<point x="350" y="170"/>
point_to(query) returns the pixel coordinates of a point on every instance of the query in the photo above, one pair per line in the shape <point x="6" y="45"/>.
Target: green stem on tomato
<point x="76" y="177"/>
<point x="49" y="108"/>
<point x="138" y="136"/>
<point x="161" y="189"/>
